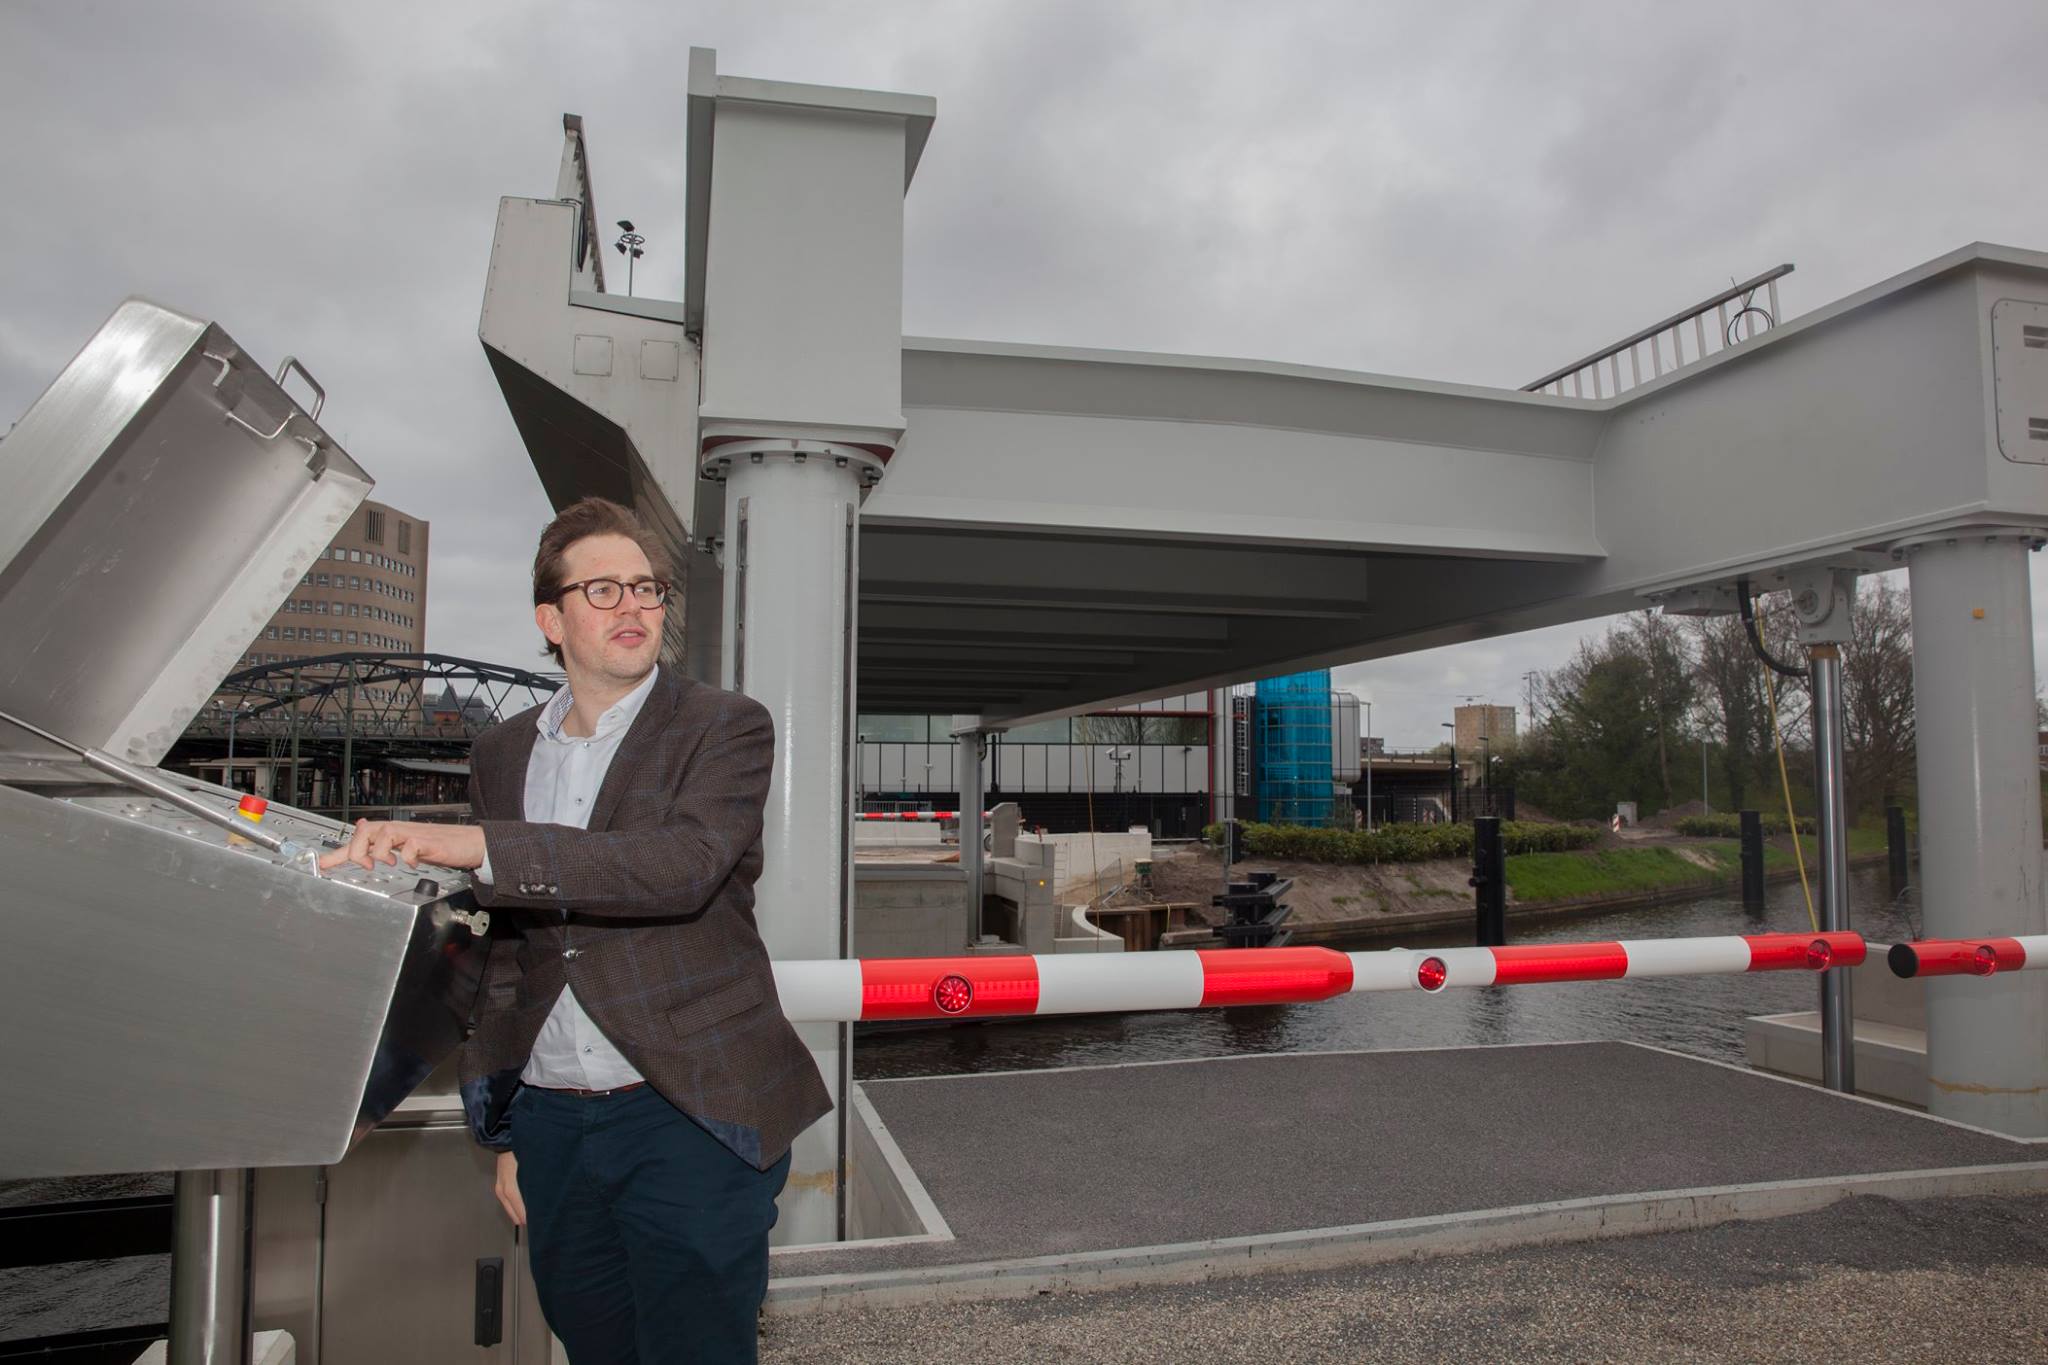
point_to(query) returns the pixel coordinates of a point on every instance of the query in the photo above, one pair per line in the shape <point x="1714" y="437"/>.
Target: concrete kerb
<point x="901" y="1180"/>
<point x="1500" y="1229"/>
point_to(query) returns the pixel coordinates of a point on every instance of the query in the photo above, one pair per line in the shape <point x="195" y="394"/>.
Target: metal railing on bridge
<point x="357" y="734"/>
<point x="1738" y="317"/>
<point x="423" y="696"/>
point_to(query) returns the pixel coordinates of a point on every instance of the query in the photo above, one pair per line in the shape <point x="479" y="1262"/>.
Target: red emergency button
<point x="252" y="807"/>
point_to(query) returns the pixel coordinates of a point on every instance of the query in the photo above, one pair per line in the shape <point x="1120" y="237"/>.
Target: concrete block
<point x="1891" y="1062"/>
<point x="1005" y="822"/>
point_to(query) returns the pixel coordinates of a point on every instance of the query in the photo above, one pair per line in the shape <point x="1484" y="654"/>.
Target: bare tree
<point x="1659" y="643"/>
<point x="1877" y="696"/>
<point x="1731" y="699"/>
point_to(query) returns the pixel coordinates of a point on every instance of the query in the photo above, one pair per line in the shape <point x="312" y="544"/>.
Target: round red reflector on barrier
<point x="1984" y="961"/>
<point x="1430" y="973"/>
<point x="953" y="994"/>
<point x="253" y="807"/>
<point x="1819" y="954"/>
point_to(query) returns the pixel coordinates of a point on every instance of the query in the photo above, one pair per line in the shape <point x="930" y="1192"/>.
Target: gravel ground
<point x="1867" y="1279"/>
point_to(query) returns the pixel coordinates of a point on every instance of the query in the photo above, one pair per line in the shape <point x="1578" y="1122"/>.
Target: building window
<point x="319" y="637"/>
<point x="355" y="584"/>
<point x="270" y="634"/>
<point x="291" y="632"/>
<point x="354" y="610"/>
<point x="894" y="729"/>
<point x="1188" y="730"/>
<point x="405" y="537"/>
<point x="321" y="579"/>
<point x="351" y="637"/>
<point x="373" y="526"/>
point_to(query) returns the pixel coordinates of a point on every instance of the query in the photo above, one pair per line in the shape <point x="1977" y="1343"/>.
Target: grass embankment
<point x="1625" y="871"/>
<point x="1616" y="871"/>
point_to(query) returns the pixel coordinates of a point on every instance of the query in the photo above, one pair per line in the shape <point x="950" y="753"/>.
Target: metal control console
<point x="178" y="997"/>
<point x="312" y="833"/>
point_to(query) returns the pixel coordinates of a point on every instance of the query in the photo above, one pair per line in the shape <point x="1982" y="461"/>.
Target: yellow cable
<point x="1791" y="820"/>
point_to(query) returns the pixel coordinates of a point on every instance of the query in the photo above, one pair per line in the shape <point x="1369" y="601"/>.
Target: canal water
<point x="1701" y="1015"/>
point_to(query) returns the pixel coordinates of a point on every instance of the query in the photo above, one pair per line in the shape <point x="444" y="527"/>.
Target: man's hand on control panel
<point x="413" y="842"/>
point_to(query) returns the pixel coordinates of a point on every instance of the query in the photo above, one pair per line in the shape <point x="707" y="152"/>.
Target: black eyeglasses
<point x="606" y="593"/>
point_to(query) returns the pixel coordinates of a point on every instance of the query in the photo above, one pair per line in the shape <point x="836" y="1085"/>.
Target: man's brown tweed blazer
<point x="649" y="914"/>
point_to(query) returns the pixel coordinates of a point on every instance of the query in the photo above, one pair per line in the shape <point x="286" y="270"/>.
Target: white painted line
<point x="1810" y="1087"/>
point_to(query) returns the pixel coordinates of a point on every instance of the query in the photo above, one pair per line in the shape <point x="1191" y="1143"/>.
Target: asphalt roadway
<point x="1097" y="1158"/>
<point x="1866" y="1279"/>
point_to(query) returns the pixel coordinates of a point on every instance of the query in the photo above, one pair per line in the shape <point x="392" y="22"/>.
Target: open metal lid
<point x="157" y="504"/>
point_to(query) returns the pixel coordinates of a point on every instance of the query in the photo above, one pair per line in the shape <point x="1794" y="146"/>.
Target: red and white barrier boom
<point x="1968" y="956"/>
<point x="1085" y="983"/>
<point x="910" y="815"/>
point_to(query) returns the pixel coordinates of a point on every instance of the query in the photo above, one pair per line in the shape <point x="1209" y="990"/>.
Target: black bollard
<point x="1895" y="845"/>
<point x="1489" y="883"/>
<point x="1752" y="860"/>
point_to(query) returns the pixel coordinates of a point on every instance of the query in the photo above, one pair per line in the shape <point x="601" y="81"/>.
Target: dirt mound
<point x="1324" y="893"/>
<point x="1668" y="819"/>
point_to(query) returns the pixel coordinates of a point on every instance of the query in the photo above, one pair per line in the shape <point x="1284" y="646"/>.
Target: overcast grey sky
<point x="1469" y="192"/>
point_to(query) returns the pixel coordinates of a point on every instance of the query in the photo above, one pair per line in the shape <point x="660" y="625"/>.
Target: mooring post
<point x="1489" y="883"/>
<point x="1895" y="846"/>
<point x="1752" y="860"/>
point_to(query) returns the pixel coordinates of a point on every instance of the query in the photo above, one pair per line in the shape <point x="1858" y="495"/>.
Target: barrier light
<point x="1968" y="956"/>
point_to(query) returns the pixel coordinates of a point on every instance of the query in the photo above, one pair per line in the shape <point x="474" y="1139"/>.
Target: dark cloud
<point x="1460" y="192"/>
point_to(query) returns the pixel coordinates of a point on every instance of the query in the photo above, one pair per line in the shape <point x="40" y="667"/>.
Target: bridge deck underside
<point x="1028" y="1164"/>
<point x="1014" y="623"/>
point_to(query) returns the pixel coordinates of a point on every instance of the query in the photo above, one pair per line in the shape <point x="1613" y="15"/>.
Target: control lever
<point x="295" y="854"/>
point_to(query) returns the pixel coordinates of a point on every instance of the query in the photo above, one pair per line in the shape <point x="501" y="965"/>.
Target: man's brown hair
<point x="580" y="521"/>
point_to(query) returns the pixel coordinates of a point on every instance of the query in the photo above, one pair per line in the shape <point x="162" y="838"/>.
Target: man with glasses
<point x="631" y="1064"/>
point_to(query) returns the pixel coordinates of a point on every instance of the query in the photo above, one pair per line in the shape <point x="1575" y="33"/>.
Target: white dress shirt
<point x="562" y="780"/>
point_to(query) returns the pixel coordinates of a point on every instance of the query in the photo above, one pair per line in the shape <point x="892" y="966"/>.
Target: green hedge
<point x="1400" y="843"/>
<point x="1729" y="826"/>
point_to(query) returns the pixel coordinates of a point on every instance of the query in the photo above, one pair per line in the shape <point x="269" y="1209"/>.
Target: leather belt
<point x="589" y="1094"/>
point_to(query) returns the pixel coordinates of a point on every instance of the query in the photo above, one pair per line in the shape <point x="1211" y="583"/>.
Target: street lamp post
<point x="1368" y="767"/>
<point x="1456" y="777"/>
<point x="629" y="245"/>
<point x="227" y="771"/>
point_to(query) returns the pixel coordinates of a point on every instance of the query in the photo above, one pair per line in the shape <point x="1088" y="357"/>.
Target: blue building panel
<point x="1291" y="736"/>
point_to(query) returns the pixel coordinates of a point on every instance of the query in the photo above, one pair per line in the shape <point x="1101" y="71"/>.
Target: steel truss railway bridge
<point x="357" y="733"/>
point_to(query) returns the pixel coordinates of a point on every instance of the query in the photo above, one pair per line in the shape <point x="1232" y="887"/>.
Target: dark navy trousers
<point x="648" y="1238"/>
